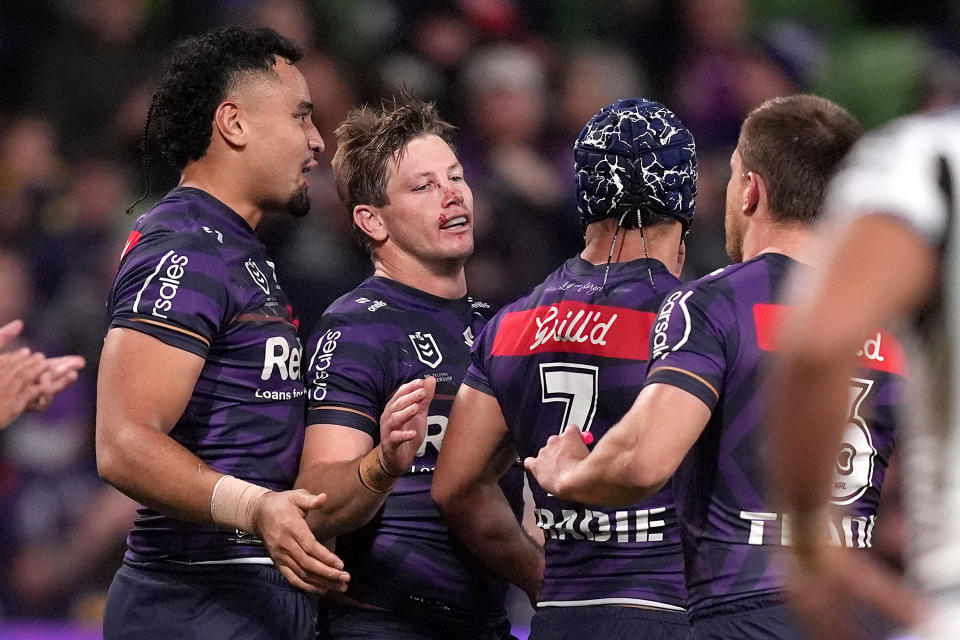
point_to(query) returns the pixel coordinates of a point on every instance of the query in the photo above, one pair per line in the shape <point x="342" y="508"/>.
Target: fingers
<point x="396" y="438"/>
<point x="405" y="398"/>
<point x="10" y="331"/>
<point x="312" y="563"/>
<point x="65" y="365"/>
<point x="572" y="436"/>
<point x="306" y="563"/>
<point x="293" y="579"/>
<point x="429" y="387"/>
<point x="24" y="368"/>
<point x="400" y="418"/>
<point x="530" y="464"/>
<point x="404" y="391"/>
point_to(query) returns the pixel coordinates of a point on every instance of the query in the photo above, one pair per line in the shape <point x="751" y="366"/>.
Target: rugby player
<point x="200" y="401"/>
<point x="570" y="354"/>
<point x="406" y="332"/>
<point x="698" y="416"/>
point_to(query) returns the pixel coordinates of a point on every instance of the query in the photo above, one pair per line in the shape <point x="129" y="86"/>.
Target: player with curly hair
<point x="200" y="400"/>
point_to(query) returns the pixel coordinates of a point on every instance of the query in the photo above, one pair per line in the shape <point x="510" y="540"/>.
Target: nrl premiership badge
<point x="426" y="349"/>
<point x="258" y="278"/>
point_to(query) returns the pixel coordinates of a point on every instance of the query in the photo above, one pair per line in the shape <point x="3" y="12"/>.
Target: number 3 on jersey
<point x="853" y="469"/>
<point x="575" y="385"/>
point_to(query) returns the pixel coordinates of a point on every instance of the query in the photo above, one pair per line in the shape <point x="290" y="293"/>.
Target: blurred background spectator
<point x="518" y="77"/>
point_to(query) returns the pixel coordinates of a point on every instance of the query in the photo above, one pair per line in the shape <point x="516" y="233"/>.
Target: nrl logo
<point x="426" y="349"/>
<point x="468" y="336"/>
<point x="258" y="278"/>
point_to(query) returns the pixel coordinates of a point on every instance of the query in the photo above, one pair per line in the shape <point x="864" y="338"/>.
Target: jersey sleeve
<point x="903" y="169"/>
<point x="345" y="376"/>
<point x="688" y="344"/>
<point x="477" y="375"/>
<point x="172" y="286"/>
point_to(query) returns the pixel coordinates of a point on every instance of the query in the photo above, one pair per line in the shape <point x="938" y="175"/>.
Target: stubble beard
<point x="733" y="241"/>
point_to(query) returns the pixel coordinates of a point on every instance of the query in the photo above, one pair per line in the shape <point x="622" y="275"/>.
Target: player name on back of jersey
<point x="575" y="327"/>
<point x="633" y="525"/>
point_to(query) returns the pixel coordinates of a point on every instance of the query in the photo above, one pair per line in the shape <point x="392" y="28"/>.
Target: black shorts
<point x="766" y="617"/>
<point x="608" y="622"/>
<point x="354" y="623"/>
<point x="207" y="602"/>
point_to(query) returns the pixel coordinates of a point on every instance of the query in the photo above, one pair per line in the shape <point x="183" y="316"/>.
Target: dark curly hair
<point x="199" y="73"/>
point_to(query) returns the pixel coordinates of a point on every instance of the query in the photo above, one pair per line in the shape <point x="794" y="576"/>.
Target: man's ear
<point x="228" y="122"/>
<point x="754" y="193"/>
<point x="681" y="257"/>
<point x="368" y="218"/>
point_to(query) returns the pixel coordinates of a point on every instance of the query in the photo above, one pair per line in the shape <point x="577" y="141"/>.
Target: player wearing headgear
<point x="697" y="419"/>
<point x="888" y="254"/>
<point x="199" y="400"/>
<point x="570" y="356"/>
<point x="405" y="332"/>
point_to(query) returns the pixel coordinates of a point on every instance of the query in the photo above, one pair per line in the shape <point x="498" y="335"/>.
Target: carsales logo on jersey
<point x="319" y="364"/>
<point x="169" y="285"/>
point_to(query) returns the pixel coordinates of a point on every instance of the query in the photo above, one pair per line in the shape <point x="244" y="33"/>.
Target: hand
<point x="60" y="373"/>
<point x="556" y="459"/>
<point x="827" y="583"/>
<point x="20" y="371"/>
<point x="10" y="331"/>
<point x="28" y="381"/>
<point x="403" y="424"/>
<point x="279" y="520"/>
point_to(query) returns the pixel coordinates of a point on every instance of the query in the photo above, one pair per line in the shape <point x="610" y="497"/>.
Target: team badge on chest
<point x="258" y="278"/>
<point x="426" y="349"/>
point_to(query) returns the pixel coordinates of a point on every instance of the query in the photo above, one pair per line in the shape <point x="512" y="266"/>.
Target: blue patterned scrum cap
<point x="635" y="154"/>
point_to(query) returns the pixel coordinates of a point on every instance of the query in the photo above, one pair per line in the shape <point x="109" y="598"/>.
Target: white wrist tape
<point x="234" y="501"/>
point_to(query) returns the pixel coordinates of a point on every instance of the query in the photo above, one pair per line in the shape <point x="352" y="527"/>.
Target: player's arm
<point x="633" y="460"/>
<point x="849" y="292"/>
<point x="476" y="452"/>
<point x="356" y="475"/>
<point x="143" y="388"/>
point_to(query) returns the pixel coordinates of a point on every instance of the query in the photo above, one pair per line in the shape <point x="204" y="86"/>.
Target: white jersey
<point x="911" y="169"/>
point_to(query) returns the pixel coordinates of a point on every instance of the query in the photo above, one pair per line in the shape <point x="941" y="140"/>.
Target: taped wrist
<point x="234" y="502"/>
<point x="373" y="475"/>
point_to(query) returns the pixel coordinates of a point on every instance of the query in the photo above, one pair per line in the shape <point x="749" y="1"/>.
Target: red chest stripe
<point x="880" y="352"/>
<point x="575" y="327"/>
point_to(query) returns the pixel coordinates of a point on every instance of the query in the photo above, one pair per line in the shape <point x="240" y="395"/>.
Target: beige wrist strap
<point x="234" y="501"/>
<point x="372" y="474"/>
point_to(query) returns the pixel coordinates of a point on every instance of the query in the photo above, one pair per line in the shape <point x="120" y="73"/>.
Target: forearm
<point x="614" y="474"/>
<point x="807" y="422"/>
<point x="483" y="520"/>
<point x="152" y="468"/>
<point x="351" y="501"/>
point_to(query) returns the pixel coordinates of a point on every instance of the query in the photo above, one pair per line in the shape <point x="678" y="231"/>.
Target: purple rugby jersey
<point x="573" y="352"/>
<point x="194" y="276"/>
<point x="369" y="342"/>
<point x="713" y="338"/>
